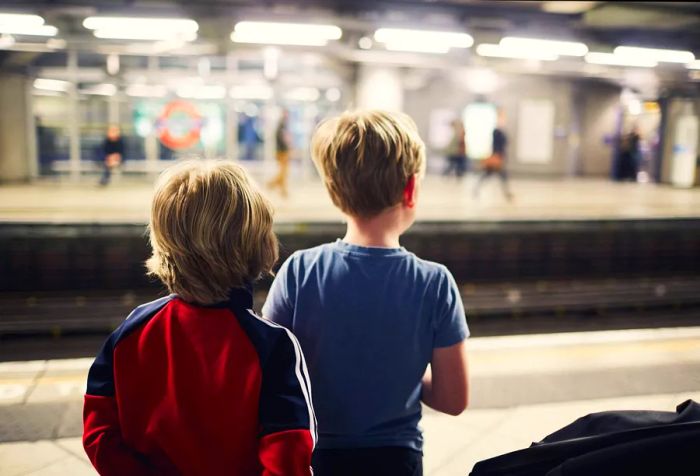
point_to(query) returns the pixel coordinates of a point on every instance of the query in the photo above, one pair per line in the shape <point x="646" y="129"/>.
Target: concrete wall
<point x="585" y="112"/>
<point x="17" y="144"/>
<point x="599" y="106"/>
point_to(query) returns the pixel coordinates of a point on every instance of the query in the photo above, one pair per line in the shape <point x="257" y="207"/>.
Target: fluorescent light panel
<point x="611" y="59"/>
<point x="253" y="91"/>
<point x="22" y="19"/>
<point x="305" y="94"/>
<point x="422" y="41"/>
<point x="25" y="24"/>
<point x="654" y="54"/>
<point x="46" y="84"/>
<point x="196" y="91"/>
<point x="104" y="89"/>
<point x="563" y="48"/>
<point x="146" y="90"/>
<point x="274" y="33"/>
<point x="6" y="41"/>
<point x="498" y="51"/>
<point x="139" y="28"/>
<point x="152" y="35"/>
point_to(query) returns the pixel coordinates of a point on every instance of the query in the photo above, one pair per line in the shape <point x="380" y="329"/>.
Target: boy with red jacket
<point x="195" y="382"/>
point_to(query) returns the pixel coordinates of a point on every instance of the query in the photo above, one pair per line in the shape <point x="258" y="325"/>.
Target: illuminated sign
<point x="179" y="125"/>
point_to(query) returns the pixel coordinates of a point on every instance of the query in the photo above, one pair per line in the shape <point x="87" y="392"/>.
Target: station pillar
<point x="379" y="87"/>
<point x="18" y="156"/>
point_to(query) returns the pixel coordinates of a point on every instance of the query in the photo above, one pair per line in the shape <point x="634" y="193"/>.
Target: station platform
<point x="523" y="388"/>
<point x="441" y="199"/>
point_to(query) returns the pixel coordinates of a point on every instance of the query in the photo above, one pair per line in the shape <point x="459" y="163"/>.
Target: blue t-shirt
<point x="368" y="320"/>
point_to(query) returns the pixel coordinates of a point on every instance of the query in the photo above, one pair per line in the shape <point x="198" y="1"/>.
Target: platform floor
<point x="441" y="199"/>
<point x="523" y="388"/>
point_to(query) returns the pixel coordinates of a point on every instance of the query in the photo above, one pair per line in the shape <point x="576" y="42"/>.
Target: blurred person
<point x="372" y="316"/>
<point x="496" y="163"/>
<point x="46" y="145"/>
<point x="248" y="135"/>
<point x="195" y="382"/>
<point x="113" y="150"/>
<point x="283" y="141"/>
<point x="629" y="155"/>
<point x="456" y="151"/>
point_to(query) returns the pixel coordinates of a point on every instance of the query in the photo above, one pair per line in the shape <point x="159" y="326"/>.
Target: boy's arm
<point x="102" y="437"/>
<point x="446" y="381"/>
<point x="286" y="413"/>
<point x="103" y="442"/>
<point x="279" y="305"/>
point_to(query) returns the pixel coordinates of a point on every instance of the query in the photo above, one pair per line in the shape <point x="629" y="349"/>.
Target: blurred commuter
<point x="283" y="141"/>
<point x="629" y="156"/>
<point x="195" y="382"/>
<point x="248" y="136"/>
<point x="113" y="150"/>
<point x="371" y="315"/>
<point x="496" y="163"/>
<point x="456" y="151"/>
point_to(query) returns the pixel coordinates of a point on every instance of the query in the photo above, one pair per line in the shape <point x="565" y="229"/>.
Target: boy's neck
<point x="381" y="231"/>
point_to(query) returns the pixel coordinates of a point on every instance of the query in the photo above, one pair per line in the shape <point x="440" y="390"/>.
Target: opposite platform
<point x="441" y="199"/>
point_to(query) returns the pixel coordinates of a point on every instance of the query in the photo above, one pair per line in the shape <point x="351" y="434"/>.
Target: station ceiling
<point x="600" y="24"/>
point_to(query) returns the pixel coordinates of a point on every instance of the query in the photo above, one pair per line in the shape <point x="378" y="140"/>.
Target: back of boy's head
<point x="366" y="159"/>
<point x="210" y="230"/>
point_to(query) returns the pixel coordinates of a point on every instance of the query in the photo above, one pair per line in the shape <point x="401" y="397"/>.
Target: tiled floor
<point x="440" y="199"/>
<point x="523" y="388"/>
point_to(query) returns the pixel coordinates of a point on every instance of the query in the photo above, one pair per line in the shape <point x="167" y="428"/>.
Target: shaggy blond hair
<point x="210" y="230"/>
<point x="366" y="159"/>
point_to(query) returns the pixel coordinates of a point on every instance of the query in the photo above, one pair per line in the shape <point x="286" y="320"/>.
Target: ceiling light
<point x="25" y="24"/>
<point x="422" y="41"/>
<point x="146" y="90"/>
<point x="56" y="43"/>
<point x="556" y="47"/>
<point x="105" y="89"/>
<point x="20" y="19"/>
<point x="6" y="41"/>
<point x="365" y="43"/>
<point x="272" y="33"/>
<point x="51" y="84"/>
<point x="39" y="30"/>
<point x="252" y="91"/>
<point x="304" y="94"/>
<point x="152" y="35"/>
<point x="498" y="51"/>
<point x="196" y="91"/>
<point x="333" y="94"/>
<point x="611" y="59"/>
<point x="568" y="7"/>
<point x="139" y="28"/>
<point x="693" y="65"/>
<point x="655" y="54"/>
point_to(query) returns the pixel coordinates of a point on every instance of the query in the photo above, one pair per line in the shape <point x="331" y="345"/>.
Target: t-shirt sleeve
<point x="279" y="305"/>
<point x="450" y="325"/>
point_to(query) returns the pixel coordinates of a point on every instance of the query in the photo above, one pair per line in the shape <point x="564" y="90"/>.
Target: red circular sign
<point x="188" y="121"/>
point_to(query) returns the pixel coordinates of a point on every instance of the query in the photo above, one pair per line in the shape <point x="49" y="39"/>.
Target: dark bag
<point x="614" y="443"/>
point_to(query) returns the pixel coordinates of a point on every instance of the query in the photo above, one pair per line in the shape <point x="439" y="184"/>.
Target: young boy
<point x="195" y="382"/>
<point x="370" y="315"/>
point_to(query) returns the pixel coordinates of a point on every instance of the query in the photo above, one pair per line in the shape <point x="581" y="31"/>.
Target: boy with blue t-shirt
<point x="370" y="315"/>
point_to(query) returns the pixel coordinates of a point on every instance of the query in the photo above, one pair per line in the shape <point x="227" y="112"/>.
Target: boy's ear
<point x="409" y="192"/>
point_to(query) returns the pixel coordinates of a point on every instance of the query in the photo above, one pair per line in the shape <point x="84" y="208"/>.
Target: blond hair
<point x="210" y="230"/>
<point x="366" y="158"/>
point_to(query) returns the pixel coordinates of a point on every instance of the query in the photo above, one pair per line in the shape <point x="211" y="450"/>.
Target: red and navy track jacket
<point x="199" y="390"/>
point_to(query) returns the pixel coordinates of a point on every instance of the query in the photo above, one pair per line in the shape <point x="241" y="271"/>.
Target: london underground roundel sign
<point x="179" y="125"/>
